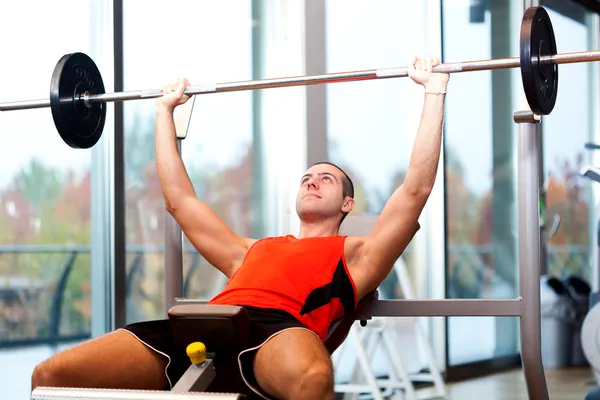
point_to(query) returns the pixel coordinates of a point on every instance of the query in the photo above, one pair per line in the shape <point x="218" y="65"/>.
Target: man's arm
<point x="398" y="221"/>
<point x="218" y="244"/>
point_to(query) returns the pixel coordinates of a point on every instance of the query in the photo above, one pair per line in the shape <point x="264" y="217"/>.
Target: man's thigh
<point x="116" y="360"/>
<point x="280" y="364"/>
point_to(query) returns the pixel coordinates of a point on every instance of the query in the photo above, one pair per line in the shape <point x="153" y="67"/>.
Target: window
<point x="482" y="233"/>
<point x="371" y="125"/>
<point x="481" y="243"/>
<point x="218" y="151"/>
<point x="568" y="195"/>
<point x="45" y="202"/>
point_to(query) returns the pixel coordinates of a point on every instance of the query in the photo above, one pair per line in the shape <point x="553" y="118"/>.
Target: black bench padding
<point x="224" y="331"/>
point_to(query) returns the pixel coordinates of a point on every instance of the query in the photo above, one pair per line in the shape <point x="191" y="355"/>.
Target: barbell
<point x="78" y="99"/>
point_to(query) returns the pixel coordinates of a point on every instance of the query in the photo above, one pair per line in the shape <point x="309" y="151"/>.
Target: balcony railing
<point x="565" y="259"/>
<point x="13" y="287"/>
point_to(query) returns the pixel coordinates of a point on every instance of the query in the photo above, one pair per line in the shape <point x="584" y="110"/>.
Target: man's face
<point x="321" y="194"/>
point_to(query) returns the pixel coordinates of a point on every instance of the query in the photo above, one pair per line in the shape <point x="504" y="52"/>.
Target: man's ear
<point x="348" y="205"/>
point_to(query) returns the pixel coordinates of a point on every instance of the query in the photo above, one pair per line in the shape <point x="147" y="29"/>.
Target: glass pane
<point x="568" y="194"/>
<point x="371" y="125"/>
<point x="45" y="248"/>
<point x="481" y="205"/>
<point x="480" y="177"/>
<point x="217" y="152"/>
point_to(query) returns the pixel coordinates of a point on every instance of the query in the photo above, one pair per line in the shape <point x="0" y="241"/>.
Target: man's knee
<point x="314" y="381"/>
<point x="295" y="365"/>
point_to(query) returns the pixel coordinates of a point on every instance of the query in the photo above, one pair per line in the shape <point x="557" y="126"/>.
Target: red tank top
<point x="307" y="278"/>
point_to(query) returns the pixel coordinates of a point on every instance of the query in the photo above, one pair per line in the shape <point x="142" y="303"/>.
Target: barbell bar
<point x="78" y="100"/>
<point x="363" y="75"/>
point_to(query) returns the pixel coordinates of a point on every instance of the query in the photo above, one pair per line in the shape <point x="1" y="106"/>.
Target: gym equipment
<point x="540" y="78"/>
<point x="224" y="331"/>
<point x="590" y="329"/>
<point x="80" y="125"/>
<point x="223" y="328"/>
<point x="116" y="394"/>
<point x="77" y="97"/>
<point x="400" y="342"/>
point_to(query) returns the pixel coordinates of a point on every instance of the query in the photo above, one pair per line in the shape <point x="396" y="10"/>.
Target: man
<point x="293" y="288"/>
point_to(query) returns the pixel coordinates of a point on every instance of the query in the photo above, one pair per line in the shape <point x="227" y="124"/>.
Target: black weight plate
<point x="540" y="79"/>
<point x="80" y="126"/>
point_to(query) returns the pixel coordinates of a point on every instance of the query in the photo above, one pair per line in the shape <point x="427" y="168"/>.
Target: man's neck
<point x="318" y="229"/>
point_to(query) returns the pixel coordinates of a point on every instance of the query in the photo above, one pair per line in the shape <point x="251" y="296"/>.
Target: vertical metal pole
<point x="259" y="177"/>
<point x="315" y="34"/>
<point x="529" y="154"/>
<point x="546" y="220"/>
<point x="119" y="203"/>
<point x="173" y="257"/>
<point x="102" y="212"/>
<point x="593" y="24"/>
<point x="529" y="252"/>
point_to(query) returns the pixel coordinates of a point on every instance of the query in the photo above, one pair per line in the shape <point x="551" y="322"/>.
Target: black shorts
<point x="264" y="324"/>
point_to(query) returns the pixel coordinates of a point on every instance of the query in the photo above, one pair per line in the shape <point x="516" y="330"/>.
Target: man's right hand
<point x="420" y="70"/>
<point x="173" y="95"/>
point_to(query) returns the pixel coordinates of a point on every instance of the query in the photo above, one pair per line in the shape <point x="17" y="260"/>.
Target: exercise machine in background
<point x="590" y="330"/>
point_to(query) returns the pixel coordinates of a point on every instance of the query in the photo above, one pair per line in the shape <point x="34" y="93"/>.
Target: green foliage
<point x="39" y="183"/>
<point x="52" y="211"/>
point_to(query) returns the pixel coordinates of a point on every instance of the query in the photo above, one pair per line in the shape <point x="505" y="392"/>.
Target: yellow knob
<point x="196" y="352"/>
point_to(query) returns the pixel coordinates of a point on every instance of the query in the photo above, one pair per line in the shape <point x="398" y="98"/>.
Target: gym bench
<point x="212" y="336"/>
